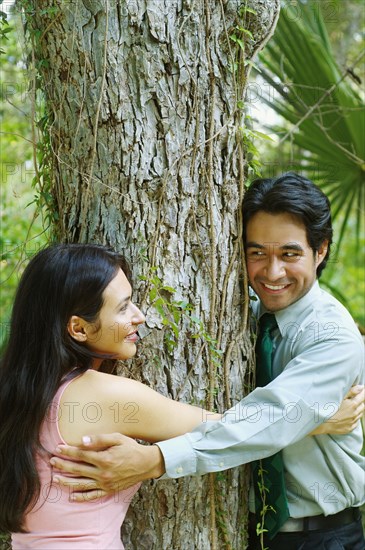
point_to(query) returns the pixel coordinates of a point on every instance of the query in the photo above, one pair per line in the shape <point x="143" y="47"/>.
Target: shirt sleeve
<point x="305" y="394"/>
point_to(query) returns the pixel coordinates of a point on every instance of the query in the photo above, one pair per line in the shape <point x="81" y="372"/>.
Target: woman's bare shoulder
<point x="94" y="402"/>
<point x="100" y="385"/>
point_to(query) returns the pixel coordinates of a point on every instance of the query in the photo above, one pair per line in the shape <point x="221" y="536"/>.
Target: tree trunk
<point x="144" y="123"/>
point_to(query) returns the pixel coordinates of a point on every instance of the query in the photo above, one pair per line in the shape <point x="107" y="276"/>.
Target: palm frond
<point x="324" y="110"/>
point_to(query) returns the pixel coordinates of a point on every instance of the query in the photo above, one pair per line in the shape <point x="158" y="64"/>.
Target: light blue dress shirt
<point x="318" y="356"/>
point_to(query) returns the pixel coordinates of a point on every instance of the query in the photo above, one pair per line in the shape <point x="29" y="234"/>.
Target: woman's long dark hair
<point x="60" y="281"/>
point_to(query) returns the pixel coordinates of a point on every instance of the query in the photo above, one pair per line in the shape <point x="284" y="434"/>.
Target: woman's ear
<point x="76" y="328"/>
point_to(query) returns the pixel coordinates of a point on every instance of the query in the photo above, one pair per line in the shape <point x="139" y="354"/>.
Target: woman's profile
<point x="73" y="317"/>
<point x="73" y="310"/>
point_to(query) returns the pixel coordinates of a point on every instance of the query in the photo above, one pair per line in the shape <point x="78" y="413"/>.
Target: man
<point x="315" y="355"/>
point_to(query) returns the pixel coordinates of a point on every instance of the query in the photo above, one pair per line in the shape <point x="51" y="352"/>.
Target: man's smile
<point x="274" y="289"/>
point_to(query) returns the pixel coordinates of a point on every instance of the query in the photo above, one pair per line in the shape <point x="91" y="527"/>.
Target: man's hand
<point x="108" y="463"/>
<point x="348" y="415"/>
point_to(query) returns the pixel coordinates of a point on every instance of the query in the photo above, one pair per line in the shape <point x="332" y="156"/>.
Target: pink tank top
<point x="56" y="523"/>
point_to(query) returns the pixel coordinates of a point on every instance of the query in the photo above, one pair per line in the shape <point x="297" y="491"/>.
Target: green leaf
<point x="246" y="9"/>
<point x="246" y="31"/>
<point x="152" y="294"/>
<point x="262" y="135"/>
<point x="183" y="305"/>
<point x="195" y="320"/>
<point x="169" y="289"/>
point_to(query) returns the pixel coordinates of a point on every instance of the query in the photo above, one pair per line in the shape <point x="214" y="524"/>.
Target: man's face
<point x="281" y="265"/>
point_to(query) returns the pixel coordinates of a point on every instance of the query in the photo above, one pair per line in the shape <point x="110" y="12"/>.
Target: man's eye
<point x="124" y="308"/>
<point x="255" y="255"/>
<point x="292" y="255"/>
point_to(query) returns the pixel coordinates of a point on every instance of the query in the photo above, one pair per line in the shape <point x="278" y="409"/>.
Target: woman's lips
<point x="133" y="337"/>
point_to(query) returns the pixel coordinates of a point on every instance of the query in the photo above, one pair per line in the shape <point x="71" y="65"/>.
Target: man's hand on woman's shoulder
<point x="105" y="464"/>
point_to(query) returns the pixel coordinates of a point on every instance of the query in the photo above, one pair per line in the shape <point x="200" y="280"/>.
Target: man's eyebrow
<point x="292" y="246"/>
<point x="288" y="246"/>
<point x="252" y="244"/>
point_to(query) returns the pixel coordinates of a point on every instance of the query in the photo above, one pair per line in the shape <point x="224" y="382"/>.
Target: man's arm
<point x="116" y="462"/>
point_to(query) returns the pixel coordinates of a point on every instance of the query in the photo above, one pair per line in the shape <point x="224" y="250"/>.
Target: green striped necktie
<point x="270" y="493"/>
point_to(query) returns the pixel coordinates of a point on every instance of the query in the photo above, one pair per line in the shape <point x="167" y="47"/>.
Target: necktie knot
<point x="264" y="349"/>
<point x="267" y="323"/>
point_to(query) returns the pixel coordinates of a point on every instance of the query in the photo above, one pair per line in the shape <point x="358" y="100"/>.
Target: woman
<point x="72" y="311"/>
<point x="72" y="318"/>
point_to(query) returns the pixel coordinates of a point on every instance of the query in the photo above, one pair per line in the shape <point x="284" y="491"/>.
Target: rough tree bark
<point x="144" y="101"/>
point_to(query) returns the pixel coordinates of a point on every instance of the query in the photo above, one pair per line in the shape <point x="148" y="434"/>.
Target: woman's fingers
<point x="357" y="390"/>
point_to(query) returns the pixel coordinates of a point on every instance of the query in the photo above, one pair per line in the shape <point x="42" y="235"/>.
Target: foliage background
<point x="21" y="228"/>
<point x="309" y="97"/>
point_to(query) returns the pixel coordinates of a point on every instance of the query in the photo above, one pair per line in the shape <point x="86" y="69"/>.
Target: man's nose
<point x="275" y="268"/>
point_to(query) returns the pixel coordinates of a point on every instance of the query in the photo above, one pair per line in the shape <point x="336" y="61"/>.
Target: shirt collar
<point x="293" y="312"/>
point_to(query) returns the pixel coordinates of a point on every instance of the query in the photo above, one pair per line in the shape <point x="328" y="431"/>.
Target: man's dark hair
<point x="290" y="193"/>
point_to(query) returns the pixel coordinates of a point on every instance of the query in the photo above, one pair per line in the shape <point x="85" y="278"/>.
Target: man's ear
<point x="321" y="253"/>
<point x="76" y="328"/>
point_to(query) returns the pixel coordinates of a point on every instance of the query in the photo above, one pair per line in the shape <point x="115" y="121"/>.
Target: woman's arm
<point x="153" y="417"/>
<point x="100" y="403"/>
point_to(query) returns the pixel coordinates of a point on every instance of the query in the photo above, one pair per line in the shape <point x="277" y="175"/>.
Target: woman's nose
<point x="138" y="318"/>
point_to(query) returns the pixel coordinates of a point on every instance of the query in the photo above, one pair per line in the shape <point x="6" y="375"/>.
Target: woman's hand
<point x="348" y="415"/>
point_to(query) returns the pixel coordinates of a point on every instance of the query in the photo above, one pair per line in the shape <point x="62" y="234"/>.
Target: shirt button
<point x="221" y="464"/>
<point x="179" y="470"/>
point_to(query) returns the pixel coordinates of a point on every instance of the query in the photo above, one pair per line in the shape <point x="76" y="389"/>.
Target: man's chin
<point x="274" y="304"/>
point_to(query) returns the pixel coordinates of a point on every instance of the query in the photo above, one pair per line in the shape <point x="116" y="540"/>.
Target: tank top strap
<point x="50" y="435"/>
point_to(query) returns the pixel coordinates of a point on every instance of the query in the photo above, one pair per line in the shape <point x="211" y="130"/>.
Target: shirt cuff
<point x="179" y="456"/>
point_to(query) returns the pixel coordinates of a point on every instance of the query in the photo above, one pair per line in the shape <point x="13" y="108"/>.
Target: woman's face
<point x="118" y="322"/>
